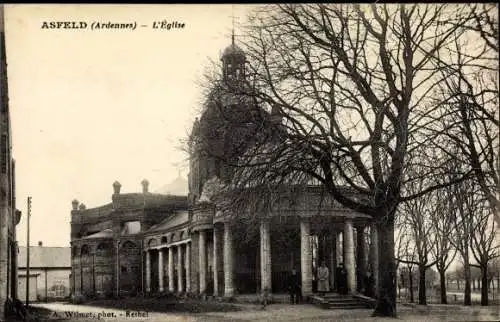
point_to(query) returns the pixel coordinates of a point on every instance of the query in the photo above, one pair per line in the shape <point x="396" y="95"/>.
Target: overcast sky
<point x="91" y="107"/>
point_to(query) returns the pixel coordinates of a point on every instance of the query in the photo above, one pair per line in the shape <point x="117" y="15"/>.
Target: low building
<point x="50" y="270"/>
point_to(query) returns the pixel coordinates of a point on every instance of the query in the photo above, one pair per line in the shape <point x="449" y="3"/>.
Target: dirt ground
<point x="192" y="310"/>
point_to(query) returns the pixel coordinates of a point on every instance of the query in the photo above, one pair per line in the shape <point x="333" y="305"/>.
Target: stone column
<point x="306" y="256"/>
<point x="216" y="262"/>
<point x="160" y="270"/>
<point x="180" y="272"/>
<point x="374" y="257"/>
<point x="338" y="247"/>
<point x="332" y="242"/>
<point x="148" y="271"/>
<point x="350" y="262"/>
<point x="265" y="257"/>
<point x="228" y="261"/>
<point x="360" y="258"/>
<point x="203" y="261"/>
<point x="188" y="267"/>
<point x="171" y="268"/>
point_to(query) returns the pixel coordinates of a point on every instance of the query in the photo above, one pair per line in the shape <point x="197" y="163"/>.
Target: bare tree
<point x="405" y="254"/>
<point x="485" y="23"/>
<point x="443" y="227"/>
<point x="470" y="97"/>
<point x="418" y="215"/>
<point x="465" y="201"/>
<point x="494" y="274"/>
<point x="350" y="86"/>
<point x="484" y="246"/>
<point x="459" y="275"/>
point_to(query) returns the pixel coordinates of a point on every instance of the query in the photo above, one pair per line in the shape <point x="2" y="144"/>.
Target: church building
<point x="147" y="243"/>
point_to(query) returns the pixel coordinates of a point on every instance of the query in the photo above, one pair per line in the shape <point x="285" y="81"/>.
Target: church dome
<point x="233" y="50"/>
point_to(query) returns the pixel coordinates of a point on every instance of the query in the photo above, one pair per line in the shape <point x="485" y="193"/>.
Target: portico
<point x="224" y="267"/>
<point x="171" y="267"/>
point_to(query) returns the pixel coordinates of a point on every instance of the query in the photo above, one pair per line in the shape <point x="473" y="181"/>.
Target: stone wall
<point x="130" y="263"/>
<point x="51" y="284"/>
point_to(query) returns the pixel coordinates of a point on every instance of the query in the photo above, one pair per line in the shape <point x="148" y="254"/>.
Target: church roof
<point x="106" y="233"/>
<point x="178" y="187"/>
<point x="173" y="221"/>
<point x="233" y="50"/>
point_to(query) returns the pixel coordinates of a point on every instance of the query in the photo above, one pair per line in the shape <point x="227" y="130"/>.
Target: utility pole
<point x="142" y="268"/>
<point x="28" y="253"/>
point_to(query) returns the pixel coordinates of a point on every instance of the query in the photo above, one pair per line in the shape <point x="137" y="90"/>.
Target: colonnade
<point x="227" y="259"/>
<point x="346" y="251"/>
<point x="183" y="252"/>
<point x="223" y="236"/>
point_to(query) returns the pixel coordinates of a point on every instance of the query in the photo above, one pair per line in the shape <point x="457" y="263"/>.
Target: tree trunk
<point x="422" y="297"/>
<point x="484" y="285"/>
<point x="467" y="288"/>
<point x="410" y="277"/>
<point x="442" y="277"/>
<point x="386" y="301"/>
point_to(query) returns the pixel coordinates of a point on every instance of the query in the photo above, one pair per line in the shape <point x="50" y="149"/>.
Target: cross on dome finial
<point x="233" y="56"/>
<point x="232" y="16"/>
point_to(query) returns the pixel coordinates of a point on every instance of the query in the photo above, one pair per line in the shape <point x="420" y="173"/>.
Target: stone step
<point x="335" y="301"/>
<point x="339" y="299"/>
<point x="335" y="296"/>
<point x="344" y="307"/>
<point x="343" y="303"/>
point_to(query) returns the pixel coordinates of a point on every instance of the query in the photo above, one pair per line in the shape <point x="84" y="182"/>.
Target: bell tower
<point x="233" y="62"/>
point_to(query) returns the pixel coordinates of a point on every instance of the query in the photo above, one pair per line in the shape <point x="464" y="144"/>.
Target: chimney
<point x="82" y="206"/>
<point x="40" y="244"/>
<point x="116" y="187"/>
<point x="75" y="204"/>
<point x="145" y="186"/>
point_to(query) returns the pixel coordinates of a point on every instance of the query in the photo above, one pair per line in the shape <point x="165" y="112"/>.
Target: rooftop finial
<point x="232" y="16"/>
<point x="232" y="36"/>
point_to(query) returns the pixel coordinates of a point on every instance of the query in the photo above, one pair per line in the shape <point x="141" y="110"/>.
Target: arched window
<point x="128" y="244"/>
<point x="152" y="242"/>
<point x="129" y="248"/>
<point x="103" y="249"/>
<point x="85" y="250"/>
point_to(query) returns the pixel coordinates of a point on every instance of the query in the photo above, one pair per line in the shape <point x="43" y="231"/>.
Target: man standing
<point x="323" y="279"/>
<point x="368" y="281"/>
<point x="342" y="280"/>
<point x="294" y="287"/>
